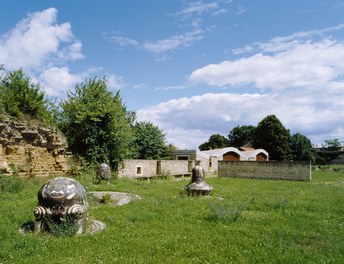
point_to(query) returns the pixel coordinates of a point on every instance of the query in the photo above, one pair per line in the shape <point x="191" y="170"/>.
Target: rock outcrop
<point x="31" y="149"/>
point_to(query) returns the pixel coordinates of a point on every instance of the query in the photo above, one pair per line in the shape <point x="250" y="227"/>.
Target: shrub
<point x="10" y="184"/>
<point x="66" y="227"/>
<point x="225" y="214"/>
<point x="20" y="97"/>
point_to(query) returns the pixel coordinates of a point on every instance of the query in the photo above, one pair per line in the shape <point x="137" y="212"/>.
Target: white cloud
<point x="71" y="52"/>
<point x="168" y="44"/>
<point x="36" y="39"/>
<point x="174" y="42"/>
<point x="308" y="64"/>
<point x="124" y="41"/>
<point x="198" y="8"/>
<point x="38" y="44"/>
<point x="189" y="122"/>
<point x="185" y="138"/>
<point x="114" y="82"/>
<point x="304" y="74"/>
<point x="284" y="43"/>
<point x="193" y="14"/>
<point x="57" y="81"/>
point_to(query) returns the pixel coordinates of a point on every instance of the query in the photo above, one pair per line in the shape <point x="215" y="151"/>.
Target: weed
<point x="164" y="175"/>
<point x="280" y="204"/>
<point x="225" y="214"/>
<point x="15" y="169"/>
<point x="106" y="199"/>
<point x="10" y="184"/>
<point x="64" y="227"/>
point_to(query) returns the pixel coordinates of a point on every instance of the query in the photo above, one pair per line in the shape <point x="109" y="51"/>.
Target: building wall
<point x="150" y="168"/>
<point x="137" y="168"/>
<point x="184" y="155"/>
<point x="175" y="167"/>
<point x="205" y="163"/>
<point x="214" y="165"/>
<point x="208" y="164"/>
<point x="284" y="170"/>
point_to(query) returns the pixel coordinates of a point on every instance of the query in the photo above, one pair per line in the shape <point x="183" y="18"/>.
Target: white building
<point x="209" y="158"/>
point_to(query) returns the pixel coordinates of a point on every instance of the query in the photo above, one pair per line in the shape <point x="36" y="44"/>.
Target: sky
<point x="192" y="68"/>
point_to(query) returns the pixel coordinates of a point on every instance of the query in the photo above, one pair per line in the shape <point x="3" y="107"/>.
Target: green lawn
<point x="244" y="221"/>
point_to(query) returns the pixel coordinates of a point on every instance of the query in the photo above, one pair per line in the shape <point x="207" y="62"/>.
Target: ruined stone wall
<point x="176" y="167"/>
<point x="31" y="149"/>
<point x="151" y="168"/>
<point x="137" y="168"/>
<point x="282" y="170"/>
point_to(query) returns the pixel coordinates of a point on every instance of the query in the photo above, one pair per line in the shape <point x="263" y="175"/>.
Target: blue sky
<point x="193" y="68"/>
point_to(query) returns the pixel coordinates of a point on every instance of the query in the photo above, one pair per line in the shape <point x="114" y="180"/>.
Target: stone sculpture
<point x="103" y="172"/>
<point x="198" y="186"/>
<point x="62" y="204"/>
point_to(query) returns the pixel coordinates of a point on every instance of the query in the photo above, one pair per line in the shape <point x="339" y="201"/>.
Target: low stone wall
<point x="150" y="168"/>
<point x="274" y="170"/>
<point x="175" y="167"/>
<point x="137" y="168"/>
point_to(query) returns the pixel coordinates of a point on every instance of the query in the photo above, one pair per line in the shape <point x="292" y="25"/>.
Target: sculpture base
<point x="198" y="188"/>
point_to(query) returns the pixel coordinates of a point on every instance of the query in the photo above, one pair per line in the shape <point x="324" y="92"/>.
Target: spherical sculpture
<point x="62" y="204"/>
<point x="103" y="172"/>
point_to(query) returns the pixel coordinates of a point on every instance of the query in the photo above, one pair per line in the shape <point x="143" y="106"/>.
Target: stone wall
<point x="137" y="168"/>
<point x="175" y="167"/>
<point x="284" y="170"/>
<point x="31" y="149"/>
<point x="151" y="168"/>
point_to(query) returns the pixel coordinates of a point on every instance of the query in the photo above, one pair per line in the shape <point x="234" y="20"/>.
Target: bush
<point x="21" y="98"/>
<point x="224" y="214"/>
<point x="67" y="227"/>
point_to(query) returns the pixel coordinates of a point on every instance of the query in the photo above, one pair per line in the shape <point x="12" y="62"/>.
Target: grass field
<point x="244" y="221"/>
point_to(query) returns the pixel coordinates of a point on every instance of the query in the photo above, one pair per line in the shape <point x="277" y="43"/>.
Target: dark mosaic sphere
<point x="61" y="200"/>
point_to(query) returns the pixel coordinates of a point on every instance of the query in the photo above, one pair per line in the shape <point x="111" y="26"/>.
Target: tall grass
<point x="244" y="221"/>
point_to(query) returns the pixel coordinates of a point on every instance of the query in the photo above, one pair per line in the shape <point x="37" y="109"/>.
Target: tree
<point x="272" y="136"/>
<point x="333" y="144"/>
<point x="204" y="146"/>
<point x="20" y="97"/>
<point x="215" y="141"/>
<point x="301" y="148"/>
<point x="96" y="123"/>
<point x="241" y="135"/>
<point x="149" y="142"/>
<point x="330" y="152"/>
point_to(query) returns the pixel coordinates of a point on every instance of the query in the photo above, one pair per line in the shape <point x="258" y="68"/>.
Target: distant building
<point x="209" y="158"/>
<point x="183" y="161"/>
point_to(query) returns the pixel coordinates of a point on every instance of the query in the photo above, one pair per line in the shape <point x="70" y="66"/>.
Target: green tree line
<point x="270" y="135"/>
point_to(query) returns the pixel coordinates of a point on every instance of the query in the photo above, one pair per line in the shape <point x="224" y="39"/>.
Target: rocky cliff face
<point x="31" y="150"/>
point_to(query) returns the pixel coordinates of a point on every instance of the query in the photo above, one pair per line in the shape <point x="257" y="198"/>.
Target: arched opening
<point x="231" y="156"/>
<point x="261" y="157"/>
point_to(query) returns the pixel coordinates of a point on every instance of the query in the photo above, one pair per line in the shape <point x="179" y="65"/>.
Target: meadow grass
<point x="243" y="221"/>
